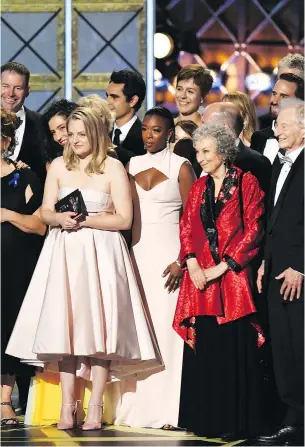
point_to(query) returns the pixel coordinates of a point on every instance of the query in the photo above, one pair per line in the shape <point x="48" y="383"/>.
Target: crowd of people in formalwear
<point x="183" y="277"/>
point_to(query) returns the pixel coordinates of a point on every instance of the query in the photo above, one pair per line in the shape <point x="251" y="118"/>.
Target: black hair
<point x="291" y="77"/>
<point x="17" y="68"/>
<point x="134" y="85"/>
<point x="163" y="112"/>
<point x="64" y="108"/>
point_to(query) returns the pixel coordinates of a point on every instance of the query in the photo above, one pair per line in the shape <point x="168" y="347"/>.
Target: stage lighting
<point x="258" y="81"/>
<point x="163" y="45"/>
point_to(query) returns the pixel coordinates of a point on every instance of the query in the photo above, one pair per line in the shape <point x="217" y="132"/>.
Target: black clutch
<point x="73" y="202"/>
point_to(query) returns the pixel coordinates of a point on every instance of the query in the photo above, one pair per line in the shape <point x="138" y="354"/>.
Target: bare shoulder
<point x="58" y="163"/>
<point x="112" y="165"/>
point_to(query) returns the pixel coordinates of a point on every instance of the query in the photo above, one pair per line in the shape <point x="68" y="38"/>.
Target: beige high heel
<point x="95" y="425"/>
<point x="65" y="425"/>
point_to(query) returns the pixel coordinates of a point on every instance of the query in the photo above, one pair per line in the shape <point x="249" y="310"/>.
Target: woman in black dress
<point x="22" y="234"/>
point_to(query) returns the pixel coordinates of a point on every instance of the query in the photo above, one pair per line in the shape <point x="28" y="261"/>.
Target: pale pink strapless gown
<point x="84" y="300"/>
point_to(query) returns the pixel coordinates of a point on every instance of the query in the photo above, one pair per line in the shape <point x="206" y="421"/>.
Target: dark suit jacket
<point x="260" y="137"/>
<point x="33" y="147"/>
<point x="285" y="227"/>
<point x="132" y="145"/>
<point x="184" y="148"/>
<point x="265" y="120"/>
<point x="249" y="160"/>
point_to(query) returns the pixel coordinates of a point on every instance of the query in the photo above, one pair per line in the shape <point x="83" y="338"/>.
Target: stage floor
<point x="109" y="435"/>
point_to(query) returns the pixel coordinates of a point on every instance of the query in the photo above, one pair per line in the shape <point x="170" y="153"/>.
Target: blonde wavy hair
<point x="101" y="107"/>
<point x="98" y="138"/>
<point x="246" y="107"/>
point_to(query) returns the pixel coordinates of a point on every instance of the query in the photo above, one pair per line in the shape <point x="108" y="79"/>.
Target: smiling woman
<point x="220" y="233"/>
<point x="193" y="84"/>
<point x="54" y="122"/>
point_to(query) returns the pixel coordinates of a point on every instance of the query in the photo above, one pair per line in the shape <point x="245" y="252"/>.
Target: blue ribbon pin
<point x="15" y="180"/>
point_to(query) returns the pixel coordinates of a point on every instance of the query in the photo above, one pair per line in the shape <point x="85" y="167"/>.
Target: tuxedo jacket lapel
<point x="276" y="169"/>
<point x="276" y="209"/>
<point x="25" y="149"/>
<point x="134" y="132"/>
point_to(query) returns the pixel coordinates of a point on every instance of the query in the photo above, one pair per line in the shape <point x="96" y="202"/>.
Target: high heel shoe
<point x="95" y="425"/>
<point x="67" y="425"/>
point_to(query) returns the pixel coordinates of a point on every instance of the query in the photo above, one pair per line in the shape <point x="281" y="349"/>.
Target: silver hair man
<point x="292" y="63"/>
<point x="297" y="105"/>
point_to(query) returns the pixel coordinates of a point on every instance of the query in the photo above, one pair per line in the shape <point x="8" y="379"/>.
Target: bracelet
<point x="178" y="263"/>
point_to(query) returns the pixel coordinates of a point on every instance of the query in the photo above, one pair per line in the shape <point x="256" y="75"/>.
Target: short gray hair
<point x="297" y="105"/>
<point x="224" y="137"/>
<point x="293" y="61"/>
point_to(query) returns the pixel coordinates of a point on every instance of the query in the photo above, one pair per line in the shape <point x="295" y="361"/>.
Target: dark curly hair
<point x="64" y="108"/>
<point x="9" y="123"/>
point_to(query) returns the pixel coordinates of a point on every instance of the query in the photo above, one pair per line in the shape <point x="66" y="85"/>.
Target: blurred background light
<point x="163" y="45"/>
<point x="258" y="81"/>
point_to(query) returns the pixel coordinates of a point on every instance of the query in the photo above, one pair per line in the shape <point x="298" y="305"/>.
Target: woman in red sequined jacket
<point x="220" y="231"/>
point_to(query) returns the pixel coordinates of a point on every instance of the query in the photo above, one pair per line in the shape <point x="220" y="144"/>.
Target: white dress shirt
<point x="19" y="134"/>
<point x="285" y="171"/>
<point x="272" y="147"/>
<point x="124" y="129"/>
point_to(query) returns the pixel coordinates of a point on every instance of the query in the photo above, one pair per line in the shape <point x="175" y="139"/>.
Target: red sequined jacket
<point x="229" y="229"/>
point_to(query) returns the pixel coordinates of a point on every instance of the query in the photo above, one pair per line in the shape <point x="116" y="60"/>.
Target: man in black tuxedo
<point x="292" y="63"/>
<point x="247" y="159"/>
<point x="31" y="143"/>
<point x="281" y="273"/>
<point x="125" y="93"/>
<point x="288" y="85"/>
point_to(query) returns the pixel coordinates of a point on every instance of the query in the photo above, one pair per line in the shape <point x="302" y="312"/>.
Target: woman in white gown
<point x="83" y="314"/>
<point x="160" y="182"/>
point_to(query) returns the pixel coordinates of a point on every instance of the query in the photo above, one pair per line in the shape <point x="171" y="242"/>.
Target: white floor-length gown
<point x="154" y="401"/>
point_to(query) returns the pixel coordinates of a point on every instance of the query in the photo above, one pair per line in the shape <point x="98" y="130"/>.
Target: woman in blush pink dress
<point x="82" y="314"/>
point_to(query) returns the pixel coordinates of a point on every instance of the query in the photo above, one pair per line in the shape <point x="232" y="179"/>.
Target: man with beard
<point x="291" y="63"/>
<point x="288" y="85"/>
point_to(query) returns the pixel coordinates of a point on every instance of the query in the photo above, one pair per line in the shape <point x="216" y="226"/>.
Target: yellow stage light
<point x="163" y="45"/>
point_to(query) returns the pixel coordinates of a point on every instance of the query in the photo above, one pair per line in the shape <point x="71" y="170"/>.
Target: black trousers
<point x="286" y="321"/>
